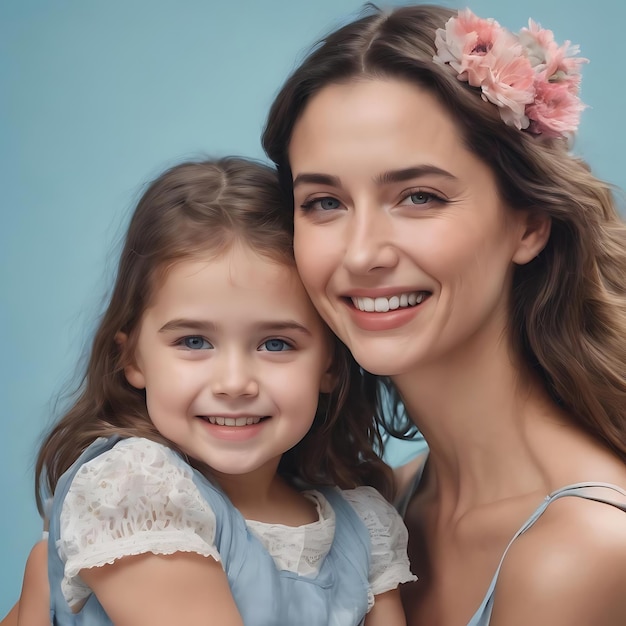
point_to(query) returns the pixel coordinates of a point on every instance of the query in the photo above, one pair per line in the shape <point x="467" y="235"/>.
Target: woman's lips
<point x="382" y="313"/>
<point x="382" y="304"/>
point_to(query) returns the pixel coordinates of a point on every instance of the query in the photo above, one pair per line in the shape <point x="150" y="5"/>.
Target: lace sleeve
<point x="136" y="498"/>
<point x="389" y="565"/>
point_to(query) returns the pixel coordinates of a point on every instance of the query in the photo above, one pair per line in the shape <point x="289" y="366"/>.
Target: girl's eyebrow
<point x="187" y="324"/>
<point x="279" y="325"/>
<point x="391" y="176"/>
<point x="206" y="326"/>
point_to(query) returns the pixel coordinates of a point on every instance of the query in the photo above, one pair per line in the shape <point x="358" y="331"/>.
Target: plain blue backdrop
<point x="96" y="98"/>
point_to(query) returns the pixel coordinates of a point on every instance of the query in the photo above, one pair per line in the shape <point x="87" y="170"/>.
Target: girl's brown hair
<point x="193" y="209"/>
<point x="569" y="304"/>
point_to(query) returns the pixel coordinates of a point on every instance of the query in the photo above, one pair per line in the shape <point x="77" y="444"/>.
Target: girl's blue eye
<point x="275" y="345"/>
<point x="195" y="342"/>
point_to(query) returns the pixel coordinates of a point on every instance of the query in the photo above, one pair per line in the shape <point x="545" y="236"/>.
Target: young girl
<point x="192" y="478"/>
<point x="473" y="259"/>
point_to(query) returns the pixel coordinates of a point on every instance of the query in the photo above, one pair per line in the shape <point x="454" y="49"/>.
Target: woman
<point x="449" y="238"/>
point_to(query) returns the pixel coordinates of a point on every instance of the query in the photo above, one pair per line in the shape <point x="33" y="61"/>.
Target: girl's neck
<point x="265" y="496"/>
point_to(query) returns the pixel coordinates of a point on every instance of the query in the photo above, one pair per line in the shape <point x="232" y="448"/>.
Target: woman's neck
<point x="482" y="413"/>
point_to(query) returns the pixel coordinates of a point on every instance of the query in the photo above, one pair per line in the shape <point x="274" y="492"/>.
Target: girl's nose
<point x="234" y="376"/>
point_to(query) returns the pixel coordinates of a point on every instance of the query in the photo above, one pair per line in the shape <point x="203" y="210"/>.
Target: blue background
<point x="96" y="98"/>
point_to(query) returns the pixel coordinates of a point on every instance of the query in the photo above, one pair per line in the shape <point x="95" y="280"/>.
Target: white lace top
<point x="135" y="498"/>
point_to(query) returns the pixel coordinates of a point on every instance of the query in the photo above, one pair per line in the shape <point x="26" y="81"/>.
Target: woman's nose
<point x="234" y="376"/>
<point x="369" y="245"/>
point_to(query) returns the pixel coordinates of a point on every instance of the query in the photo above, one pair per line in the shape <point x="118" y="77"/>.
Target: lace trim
<point x="389" y="565"/>
<point x="136" y="498"/>
<point x="300" y="549"/>
<point x="75" y="591"/>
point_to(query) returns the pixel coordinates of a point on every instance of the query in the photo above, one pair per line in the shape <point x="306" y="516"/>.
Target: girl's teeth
<point x="382" y="305"/>
<point x="232" y="421"/>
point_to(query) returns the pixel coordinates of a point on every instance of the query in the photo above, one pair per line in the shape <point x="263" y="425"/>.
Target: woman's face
<point x="401" y="238"/>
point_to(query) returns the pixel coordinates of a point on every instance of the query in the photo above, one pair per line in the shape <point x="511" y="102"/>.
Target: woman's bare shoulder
<point x="568" y="569"/>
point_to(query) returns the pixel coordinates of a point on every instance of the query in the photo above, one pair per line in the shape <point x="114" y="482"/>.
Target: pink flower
<point x="539" y="44"/>
<point x="532" y="80"/>
<point x="463" y="38"/>
<point x="555" y="111"/>
<point x="510" y="86"/>
<point x="546" y="57"/>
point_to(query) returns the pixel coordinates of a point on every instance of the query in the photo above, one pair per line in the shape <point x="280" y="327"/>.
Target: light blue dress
<point x="482" y="616"/>
<point x="265" y="595"/>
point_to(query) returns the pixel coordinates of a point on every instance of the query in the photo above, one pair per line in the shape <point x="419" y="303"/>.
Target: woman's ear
<point x="536" y="232"/>
<point x="133" y="374"/>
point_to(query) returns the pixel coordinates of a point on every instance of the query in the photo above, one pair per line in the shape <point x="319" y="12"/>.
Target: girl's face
<point x="401" y="238"/>
<point x="232" y="356"/>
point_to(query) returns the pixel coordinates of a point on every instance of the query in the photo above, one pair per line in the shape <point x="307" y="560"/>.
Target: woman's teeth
<point x="232" y="421"/>
<point x="382" y="305"/>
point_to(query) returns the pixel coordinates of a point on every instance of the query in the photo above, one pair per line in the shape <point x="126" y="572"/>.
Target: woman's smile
<point x="382" y="304"/>
<point x="401" y="237"/>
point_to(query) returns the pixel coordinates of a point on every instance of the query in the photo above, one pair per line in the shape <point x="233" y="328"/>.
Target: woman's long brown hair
<point x="568" y="311"/>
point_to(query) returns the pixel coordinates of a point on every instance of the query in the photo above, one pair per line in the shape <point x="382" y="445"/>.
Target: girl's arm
<point x="387" y="611"/>
<point x="34" y="604"/>
<point x="158" y="590"/>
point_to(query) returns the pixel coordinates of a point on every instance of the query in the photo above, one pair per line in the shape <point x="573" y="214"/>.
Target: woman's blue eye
<point x="276" y="345"/>
<point x="322" y="204"/>
<point x="328" y="204"/>
<point x="195" y="342"/>
<point x="420" y="197"/>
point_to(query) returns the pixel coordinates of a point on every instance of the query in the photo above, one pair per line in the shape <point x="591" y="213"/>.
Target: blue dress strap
<point x="578" y="490"/>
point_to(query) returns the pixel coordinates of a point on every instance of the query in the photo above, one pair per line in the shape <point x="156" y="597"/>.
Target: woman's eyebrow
<point x="407" y="173"/>
<point x="316" y="179"/>
<point x="391" y="176"/>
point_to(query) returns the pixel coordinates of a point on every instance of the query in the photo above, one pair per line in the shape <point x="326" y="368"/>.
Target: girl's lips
<point x="233" y="432"/>
<point x="238" y="421"/>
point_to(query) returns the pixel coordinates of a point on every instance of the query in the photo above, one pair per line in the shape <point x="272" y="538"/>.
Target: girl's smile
<point x="230" y="377"/>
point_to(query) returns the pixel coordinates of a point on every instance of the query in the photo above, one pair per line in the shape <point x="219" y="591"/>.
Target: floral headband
<point x="532" y="79"/>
